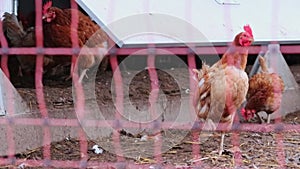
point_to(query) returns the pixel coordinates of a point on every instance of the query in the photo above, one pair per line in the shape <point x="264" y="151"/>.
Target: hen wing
<point x="18" y="37"/>
<point x="220" y="91"/>
<point x="91" y="36"/>
<point x="12" y="29"/>
<point x="210" y="95"/>
<point x="265" y="92"/>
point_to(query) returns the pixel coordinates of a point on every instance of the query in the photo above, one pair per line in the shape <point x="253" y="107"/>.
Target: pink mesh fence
<point x="151" y="51"/>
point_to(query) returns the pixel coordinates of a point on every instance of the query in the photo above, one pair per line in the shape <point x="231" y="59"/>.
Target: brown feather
<point x="265" y="91"/>
<point x="58" y="34"/>
<point x="18" y="37"/>
<point x="222" y="88"/>
<point x="263" y="64"/>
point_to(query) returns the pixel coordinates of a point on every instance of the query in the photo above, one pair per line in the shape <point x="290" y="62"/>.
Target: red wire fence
<point x="46" y="122"/>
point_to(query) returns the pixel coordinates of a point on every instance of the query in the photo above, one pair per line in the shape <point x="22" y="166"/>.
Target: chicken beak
<point x="44" y="17"/>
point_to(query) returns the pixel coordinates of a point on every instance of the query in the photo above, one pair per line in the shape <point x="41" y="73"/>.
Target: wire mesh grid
<point x="45" y="121"/>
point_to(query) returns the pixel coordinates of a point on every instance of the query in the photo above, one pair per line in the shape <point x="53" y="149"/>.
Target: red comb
<point x="248" y="29"/>
<point x="46" y="6"/>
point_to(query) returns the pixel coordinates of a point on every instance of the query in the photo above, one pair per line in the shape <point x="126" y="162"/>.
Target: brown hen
<point x="57" y="33"/>
<point x="222" y="88"/>
<point x="18" y="37"/>
<point x="264" y="94"/>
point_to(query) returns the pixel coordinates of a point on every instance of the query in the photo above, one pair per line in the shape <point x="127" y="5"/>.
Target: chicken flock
<point x="57" y="33"/>
<point x="221" y="88"/>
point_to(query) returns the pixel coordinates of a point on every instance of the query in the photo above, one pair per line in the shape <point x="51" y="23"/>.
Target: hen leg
<point x="268" y="118"/>
<point x="83" y="73"/>
<point x="221" y="145"/>
<point x="221" y="148"/>
<point x="261" y="121"/>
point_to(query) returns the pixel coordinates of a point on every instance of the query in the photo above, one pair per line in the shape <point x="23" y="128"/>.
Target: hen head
<point x="247" y="114"/>
<point x="244" y="38"/>
<point x="48" y="13"/>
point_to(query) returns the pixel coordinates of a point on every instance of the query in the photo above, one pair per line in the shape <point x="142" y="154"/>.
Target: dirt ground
<point x="258" y="150"/>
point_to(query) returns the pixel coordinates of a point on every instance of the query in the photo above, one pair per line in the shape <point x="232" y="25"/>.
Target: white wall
<point x="6" y="6"/>
<point x="270" y="19"/>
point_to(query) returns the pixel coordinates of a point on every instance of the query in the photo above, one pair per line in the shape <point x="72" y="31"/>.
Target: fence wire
<point x="46" y="122"/>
